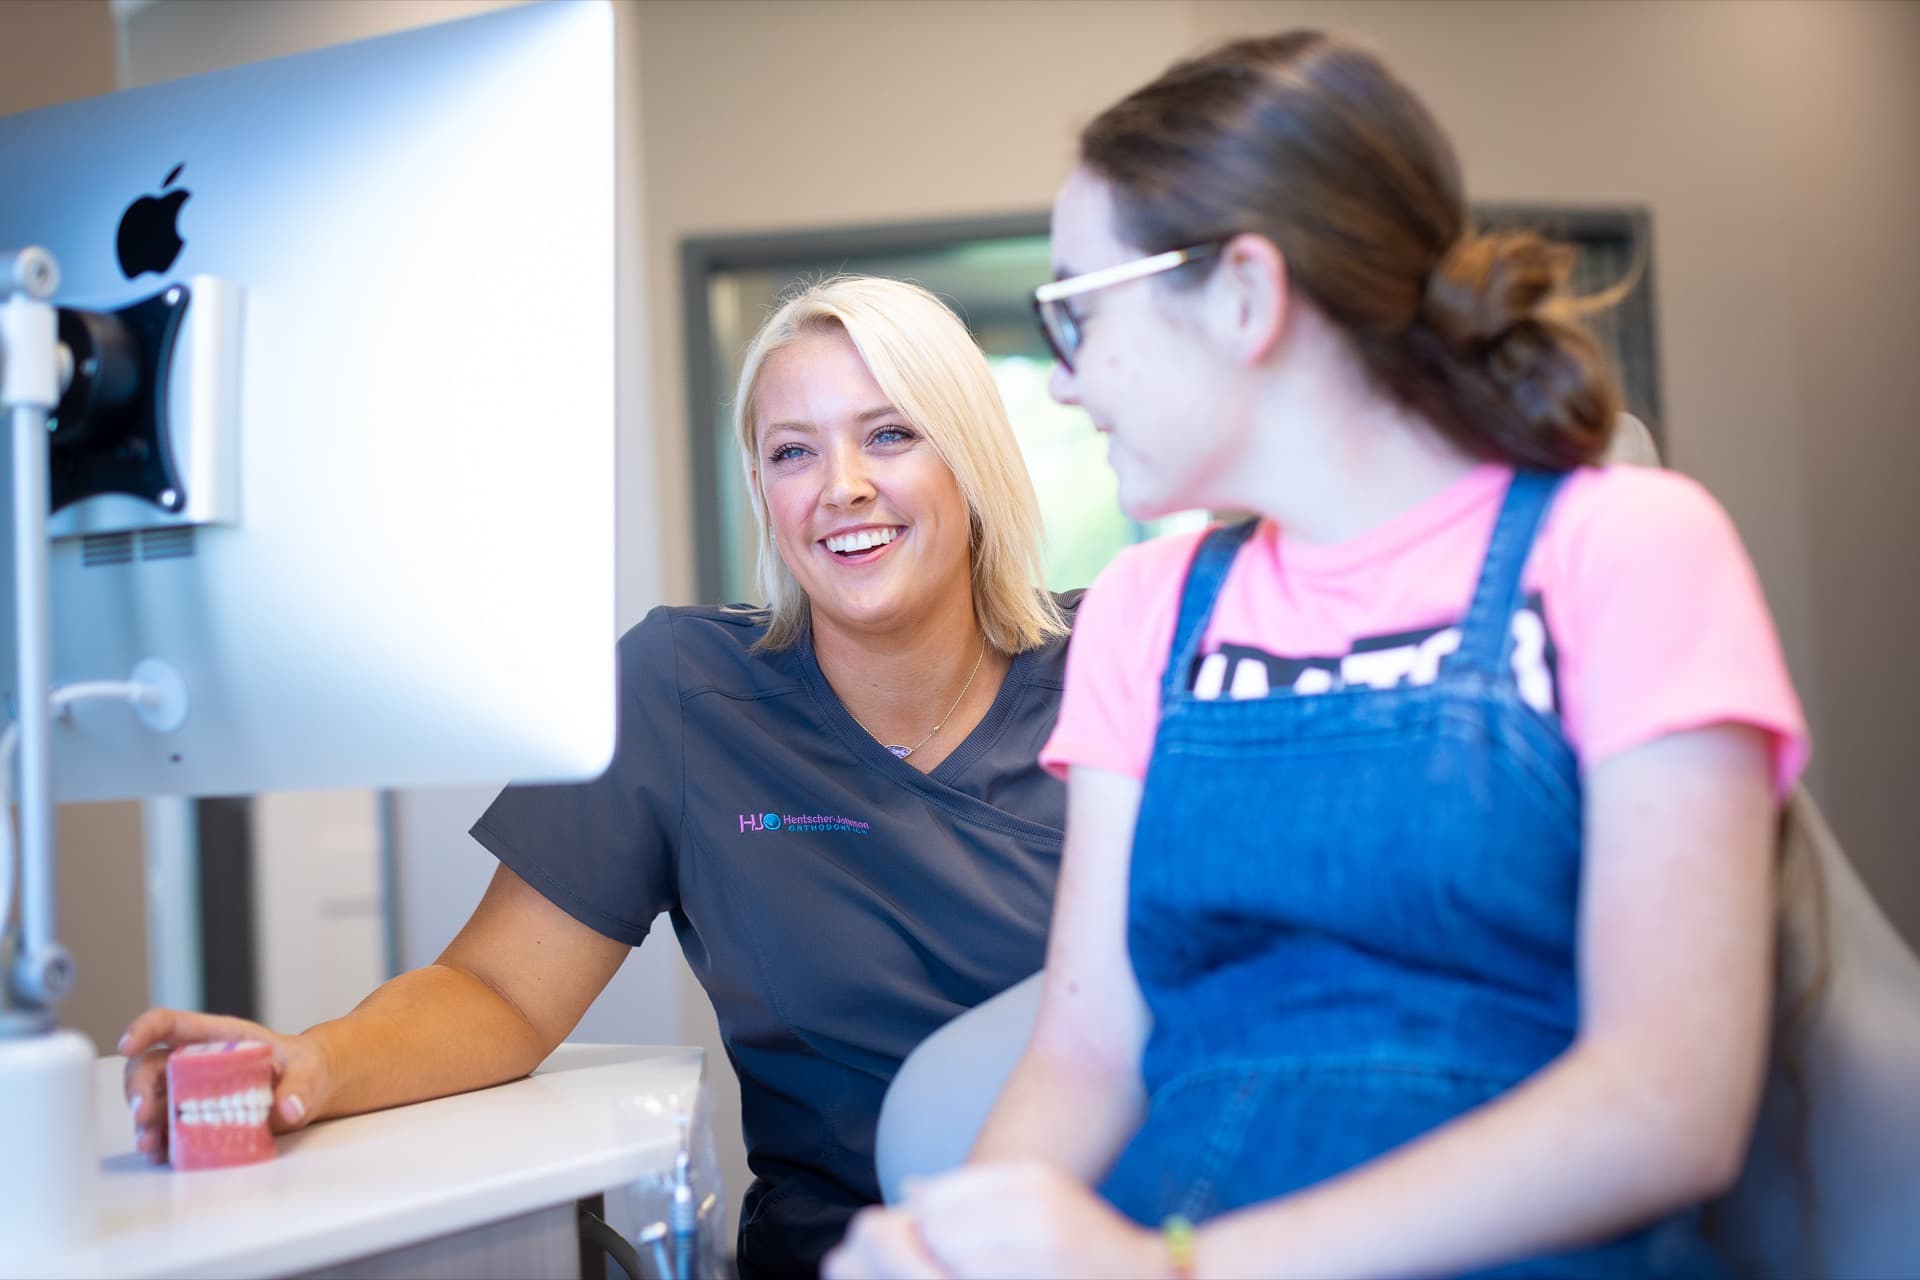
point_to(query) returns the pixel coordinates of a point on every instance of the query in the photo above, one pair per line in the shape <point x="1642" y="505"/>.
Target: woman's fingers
<point x="175" y="1027"/>
<point x="297" y="1082"/>
<point x="136" y="1079"/>
<point x="150" y="1037"/>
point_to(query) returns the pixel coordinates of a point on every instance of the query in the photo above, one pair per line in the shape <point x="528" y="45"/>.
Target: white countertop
<point x="591" y="1118"/>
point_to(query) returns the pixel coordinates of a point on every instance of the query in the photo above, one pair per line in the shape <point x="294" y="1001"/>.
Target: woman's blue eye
<point x="892" y="435"/>
<point x="786" y="453"/>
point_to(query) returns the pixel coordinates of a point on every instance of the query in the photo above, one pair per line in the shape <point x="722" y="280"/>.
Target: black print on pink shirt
<point x="1379" y="662"/>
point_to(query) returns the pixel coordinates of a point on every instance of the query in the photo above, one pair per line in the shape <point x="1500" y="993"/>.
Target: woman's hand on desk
<point x="300" y="1070"/>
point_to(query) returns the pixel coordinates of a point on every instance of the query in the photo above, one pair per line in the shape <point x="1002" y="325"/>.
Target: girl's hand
<point x="301" y="1072"/>
<point x="1011" y="1220"/>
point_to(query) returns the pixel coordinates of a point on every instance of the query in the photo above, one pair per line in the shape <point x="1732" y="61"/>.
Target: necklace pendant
<point x="902" y="752"/>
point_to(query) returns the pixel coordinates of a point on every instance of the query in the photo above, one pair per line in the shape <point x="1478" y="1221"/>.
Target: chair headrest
<point x="1633" y="443"/>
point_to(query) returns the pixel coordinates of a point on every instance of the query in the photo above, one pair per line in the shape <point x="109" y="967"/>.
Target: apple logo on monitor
<point x="149" y="233"/>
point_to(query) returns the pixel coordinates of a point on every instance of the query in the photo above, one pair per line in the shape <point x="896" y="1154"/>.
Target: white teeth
<point x="246" y="1107"/>
<point x="862" y="539"/>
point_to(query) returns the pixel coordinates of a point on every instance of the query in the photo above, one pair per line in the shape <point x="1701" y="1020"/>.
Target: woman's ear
<point x="1248" y="302"/>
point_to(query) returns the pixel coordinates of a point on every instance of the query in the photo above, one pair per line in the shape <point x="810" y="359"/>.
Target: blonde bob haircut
<point x="930" y="369"/>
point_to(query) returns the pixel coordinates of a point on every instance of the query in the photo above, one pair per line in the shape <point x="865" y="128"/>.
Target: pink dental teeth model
<point x="218" y="1099"/>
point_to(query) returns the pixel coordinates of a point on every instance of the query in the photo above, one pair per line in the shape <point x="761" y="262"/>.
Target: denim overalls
<point x="1352" y="915"/>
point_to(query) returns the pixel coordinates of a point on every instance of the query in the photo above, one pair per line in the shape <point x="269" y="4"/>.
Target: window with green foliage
<point x="986" y="270"/>
<point x="1068" y="462"/>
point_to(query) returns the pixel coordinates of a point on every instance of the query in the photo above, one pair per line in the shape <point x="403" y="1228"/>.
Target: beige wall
<point x="102" y="917"/>
<point x="53" y="51"/>
<point x="1850" y="187"/>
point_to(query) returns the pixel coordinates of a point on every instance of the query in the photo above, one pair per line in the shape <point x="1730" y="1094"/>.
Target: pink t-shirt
<point x="1642" y="617"/>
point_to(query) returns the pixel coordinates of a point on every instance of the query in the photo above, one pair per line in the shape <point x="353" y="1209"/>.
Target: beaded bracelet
<point x="1179" y="1236"/>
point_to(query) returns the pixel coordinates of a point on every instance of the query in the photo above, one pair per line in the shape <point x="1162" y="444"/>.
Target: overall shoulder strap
<point x="1205" y="576"/>
<point x="1485" y="633"/>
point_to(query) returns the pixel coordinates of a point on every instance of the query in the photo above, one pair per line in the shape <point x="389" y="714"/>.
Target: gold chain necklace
<point x="904" y="752"/>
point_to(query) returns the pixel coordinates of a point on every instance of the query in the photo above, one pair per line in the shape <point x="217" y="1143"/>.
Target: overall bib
<point x="1353" y="916"/>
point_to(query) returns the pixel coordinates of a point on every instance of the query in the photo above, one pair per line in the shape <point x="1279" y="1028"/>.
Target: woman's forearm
<point x="427" y="1033"/>
<point x="1070" y="1115"/>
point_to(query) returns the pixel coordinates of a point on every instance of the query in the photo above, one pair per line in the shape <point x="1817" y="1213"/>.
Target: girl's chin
<point x="1140" y="504"/>
<point x="1137" y="487"/>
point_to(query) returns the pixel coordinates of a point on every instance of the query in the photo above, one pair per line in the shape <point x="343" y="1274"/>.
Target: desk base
<point x="544" y="1243"/>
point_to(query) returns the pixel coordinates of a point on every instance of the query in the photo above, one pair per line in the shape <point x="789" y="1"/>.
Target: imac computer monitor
<point x="371" y="523"/>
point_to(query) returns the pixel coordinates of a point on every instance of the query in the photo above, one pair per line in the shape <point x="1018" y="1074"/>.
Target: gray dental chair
<point x="1831" y="1186"/>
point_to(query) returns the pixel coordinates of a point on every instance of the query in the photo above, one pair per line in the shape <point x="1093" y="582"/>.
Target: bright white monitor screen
<point x="400" y="572"/>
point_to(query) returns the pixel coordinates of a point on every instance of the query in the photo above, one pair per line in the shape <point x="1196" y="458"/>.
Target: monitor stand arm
<point x="50" y="1169"/>
<point x="39" y="972"/>
<point x="50" y="1166"/>
<point x="116" y="365"/>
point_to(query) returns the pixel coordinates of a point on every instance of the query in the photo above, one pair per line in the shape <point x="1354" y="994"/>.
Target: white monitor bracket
<point x="38" y="969"/>
<point x="119" y="419"/>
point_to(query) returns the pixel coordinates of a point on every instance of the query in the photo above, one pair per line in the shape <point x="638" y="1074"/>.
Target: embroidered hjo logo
<point x="802" y="822"/>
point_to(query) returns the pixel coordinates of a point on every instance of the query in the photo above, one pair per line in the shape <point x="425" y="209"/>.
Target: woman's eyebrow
<point x="808" y="428"/>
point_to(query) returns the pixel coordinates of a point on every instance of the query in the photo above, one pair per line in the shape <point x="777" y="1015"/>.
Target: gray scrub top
<point x="837" y="904"/>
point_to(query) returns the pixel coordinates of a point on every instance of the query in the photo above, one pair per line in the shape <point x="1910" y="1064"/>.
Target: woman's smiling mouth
<point x="861" y="545"/>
